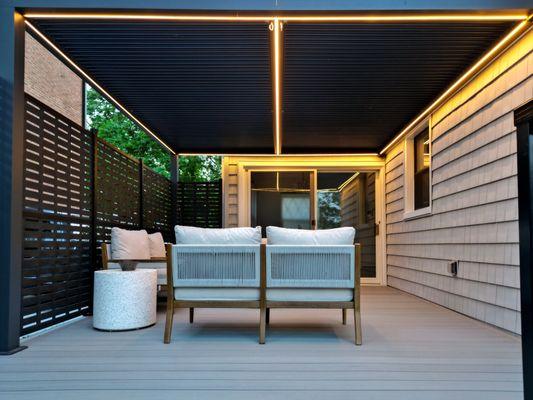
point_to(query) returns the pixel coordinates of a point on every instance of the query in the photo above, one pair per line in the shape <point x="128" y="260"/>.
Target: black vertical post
<point x="11" y="171"/>
<point x="83" y="105"/>
<point x="174" y="179"/>
<point x="524" y="124"/>
<point x="141" y="195"/>
<point x="94" y="213"/>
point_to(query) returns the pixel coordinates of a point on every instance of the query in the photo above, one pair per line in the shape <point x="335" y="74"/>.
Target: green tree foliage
<point x="118" y="130"/>
<point x="329" y="210"/>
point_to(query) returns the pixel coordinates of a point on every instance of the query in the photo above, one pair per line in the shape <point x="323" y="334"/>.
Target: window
<point x="421" y="178"/>
<point x="417" y="163"/>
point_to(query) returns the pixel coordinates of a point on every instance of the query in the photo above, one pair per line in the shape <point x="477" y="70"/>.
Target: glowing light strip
<point x="283" y="155"/>
<point x="277" y="87"/>
<point x="302" y="18"/>
<point x="459" y="82"/>
<point x="93" y="82"/>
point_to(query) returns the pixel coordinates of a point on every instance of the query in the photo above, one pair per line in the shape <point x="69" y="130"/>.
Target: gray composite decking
<point x="412" y="349"/>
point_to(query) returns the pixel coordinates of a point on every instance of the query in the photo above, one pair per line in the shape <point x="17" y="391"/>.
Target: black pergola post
<point x="11" y="175"/>
<point x="524" y="125"/>
<point x="174" y="179"/>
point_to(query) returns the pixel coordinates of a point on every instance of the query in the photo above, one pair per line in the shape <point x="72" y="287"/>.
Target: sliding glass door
<point x="282" y="198"/>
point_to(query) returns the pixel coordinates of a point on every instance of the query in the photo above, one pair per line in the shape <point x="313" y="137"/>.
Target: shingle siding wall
<point x="475" y="207"/>
<point x="50" y="81"/>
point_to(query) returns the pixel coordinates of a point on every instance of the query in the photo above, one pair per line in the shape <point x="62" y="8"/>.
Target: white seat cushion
<point x="211" y="293"/>
<point x="292" y="294"/>
<point x="129" y="245"/>
<point x="157" y="245"/>
<point x="284" y="236"/>
<point x="193" y="235"/>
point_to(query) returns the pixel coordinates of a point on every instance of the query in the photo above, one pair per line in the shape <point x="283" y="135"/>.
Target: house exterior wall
<point x="52" y="82"/>
<point x="474" y="216"/>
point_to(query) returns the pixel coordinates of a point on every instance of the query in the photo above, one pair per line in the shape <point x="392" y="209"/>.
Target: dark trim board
<point x="524" y="124"/>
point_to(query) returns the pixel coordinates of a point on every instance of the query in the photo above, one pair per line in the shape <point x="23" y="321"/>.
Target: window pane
<point x="421" y="178"/>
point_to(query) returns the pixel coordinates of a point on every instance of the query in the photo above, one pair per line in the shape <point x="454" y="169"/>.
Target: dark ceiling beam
<point x="279" y="5"/>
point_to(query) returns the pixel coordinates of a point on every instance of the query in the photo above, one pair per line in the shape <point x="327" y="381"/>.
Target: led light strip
<point x="277" y="87"/>
<point x="100" y="88"/>
<point x="472" y="71"/>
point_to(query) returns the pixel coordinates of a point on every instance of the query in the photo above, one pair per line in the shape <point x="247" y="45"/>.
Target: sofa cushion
<point x="216" y="293"/>
<point x="157" y="245"/>
<point x="193" y="235"/>
<point x="284" y="236"/>
<point x="129" y="245"/>
<point x="311" y="294"/>
<point x="161" y="268"/>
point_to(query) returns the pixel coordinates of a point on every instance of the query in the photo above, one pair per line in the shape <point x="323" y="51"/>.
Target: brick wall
<point x="51" y="81"/>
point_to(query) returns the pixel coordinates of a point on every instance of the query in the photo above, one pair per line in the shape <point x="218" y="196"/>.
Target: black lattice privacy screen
<point x="77" y="187"/>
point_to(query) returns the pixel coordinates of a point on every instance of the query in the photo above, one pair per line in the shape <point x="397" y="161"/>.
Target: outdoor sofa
<point x="232" y="268"/>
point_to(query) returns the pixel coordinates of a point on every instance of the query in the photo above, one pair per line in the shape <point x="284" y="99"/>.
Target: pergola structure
<point x="249" y="77"/>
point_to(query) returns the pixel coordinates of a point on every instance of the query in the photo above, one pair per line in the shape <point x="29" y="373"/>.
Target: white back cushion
<point x="157" y="245"/>
<point x="129" y="245"/>
<point x="193" y="235"/>
<point x="337" y="236"/>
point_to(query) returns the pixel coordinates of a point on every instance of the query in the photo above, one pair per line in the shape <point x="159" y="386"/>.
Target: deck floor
<point x="412" y="349"/>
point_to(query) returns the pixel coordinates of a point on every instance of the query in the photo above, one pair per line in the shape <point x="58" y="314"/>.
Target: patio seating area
<point x="413" y="348"/>
<point x="257" y="200"/>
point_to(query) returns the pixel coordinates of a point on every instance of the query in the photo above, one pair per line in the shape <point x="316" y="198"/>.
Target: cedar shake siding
<point x="474" y="216"/>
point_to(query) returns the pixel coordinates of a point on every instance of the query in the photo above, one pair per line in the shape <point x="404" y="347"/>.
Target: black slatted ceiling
<point x="206" y="87"/>
<point x="200" y="87"/>
<point x="352" y="87"/>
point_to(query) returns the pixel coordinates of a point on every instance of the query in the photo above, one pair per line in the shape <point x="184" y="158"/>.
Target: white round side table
<point x="124" y="300"/>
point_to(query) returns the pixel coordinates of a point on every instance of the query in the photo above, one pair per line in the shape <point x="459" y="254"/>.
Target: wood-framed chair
<point x="311" y="276"/>
<point x="211" y="276"/>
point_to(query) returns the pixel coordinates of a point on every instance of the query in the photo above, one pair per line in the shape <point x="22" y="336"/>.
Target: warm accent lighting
<point x="302" y="18"/>
<point x="277" y="86"/>
<point x="96" y="85"/>
<point x="472" y="71"/>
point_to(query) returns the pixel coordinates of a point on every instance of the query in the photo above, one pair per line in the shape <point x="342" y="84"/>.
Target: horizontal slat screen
<point x="62" y="234"/>
<point x="200" y="204"/>
<point x="56" y="264"/>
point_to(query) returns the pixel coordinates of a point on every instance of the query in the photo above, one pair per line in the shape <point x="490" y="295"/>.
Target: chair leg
<point x="262" y="325"/>
<point x="357" y="325"/>
<point x="191" y="315"/>
<point x="344" y="316"/>
<point x="170" y="319"/>
<point x="268" y="316"/>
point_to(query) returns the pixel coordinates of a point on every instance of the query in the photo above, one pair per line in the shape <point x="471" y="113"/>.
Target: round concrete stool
<point x="124" y="300"/>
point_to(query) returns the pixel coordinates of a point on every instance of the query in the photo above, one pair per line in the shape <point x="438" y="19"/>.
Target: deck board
<point x="412" y="349"/>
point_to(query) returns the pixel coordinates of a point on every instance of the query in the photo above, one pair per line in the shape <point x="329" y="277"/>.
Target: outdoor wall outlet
<point x="454" y="266"/>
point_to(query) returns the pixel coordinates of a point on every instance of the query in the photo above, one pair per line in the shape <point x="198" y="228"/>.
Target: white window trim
<point x="409" y="166"/>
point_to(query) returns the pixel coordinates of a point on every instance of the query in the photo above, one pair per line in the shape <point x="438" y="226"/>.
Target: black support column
<point x="11" y="175"/>
<point x="174" y="178"/>
<point x="524" y="125"/>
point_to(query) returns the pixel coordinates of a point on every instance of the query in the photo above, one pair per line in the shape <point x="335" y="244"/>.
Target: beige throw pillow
<point x="129" y="245"/>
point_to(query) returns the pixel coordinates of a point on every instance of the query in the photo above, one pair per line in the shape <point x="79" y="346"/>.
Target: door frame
<point x="331" y="165"/>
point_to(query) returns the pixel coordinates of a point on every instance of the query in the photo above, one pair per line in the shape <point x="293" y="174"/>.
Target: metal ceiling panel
<point x="207" y="87"/>
<point x="200" y="87"/>
<point x="351" y="87"/>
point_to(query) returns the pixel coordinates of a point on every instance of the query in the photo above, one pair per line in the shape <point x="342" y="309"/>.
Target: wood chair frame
<point x="355" y="304"/>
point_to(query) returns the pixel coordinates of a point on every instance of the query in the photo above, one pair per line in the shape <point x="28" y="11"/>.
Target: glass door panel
<point x="348" y="199"/>
<point x="282" y="198"/>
